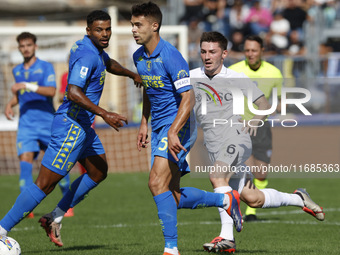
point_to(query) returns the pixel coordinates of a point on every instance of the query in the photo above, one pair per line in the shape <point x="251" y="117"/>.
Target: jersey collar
<point x="158" y="49"/>
<point x="223" y="71"/>
<point x="88" y="42"/>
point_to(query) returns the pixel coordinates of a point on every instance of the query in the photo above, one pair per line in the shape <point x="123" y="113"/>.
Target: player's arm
<point x="262" y="104"/>
<point x="8" y="110"/>
<point x="143" y="128"/>
<point x="76" y="95"/>
<point x="114" y="67"/>
<point x="47" y="91"/>
<point x="183" y="114"/>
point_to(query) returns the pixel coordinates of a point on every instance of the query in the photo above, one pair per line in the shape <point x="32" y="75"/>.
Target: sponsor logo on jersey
<point x="51" y="78"/>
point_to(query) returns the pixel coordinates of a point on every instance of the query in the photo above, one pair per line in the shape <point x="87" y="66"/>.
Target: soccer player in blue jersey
<point x="72" y="138"/>
<point x="34" y="89"/>
<point x="169" y="98"/>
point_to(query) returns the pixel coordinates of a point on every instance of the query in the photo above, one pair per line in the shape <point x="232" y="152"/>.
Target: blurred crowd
<point x="280" y="23"/>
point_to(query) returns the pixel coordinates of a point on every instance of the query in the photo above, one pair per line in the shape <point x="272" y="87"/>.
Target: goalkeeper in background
<point x="34" y="90"/>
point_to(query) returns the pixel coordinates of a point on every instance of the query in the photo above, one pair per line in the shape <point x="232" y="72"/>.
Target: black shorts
<point x="262" y="143"/>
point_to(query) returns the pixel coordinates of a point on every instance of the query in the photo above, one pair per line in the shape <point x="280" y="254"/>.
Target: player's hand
<point x="251" y="129"/>
<point x="17" y="86"/>
<point x="114" y="120"/>
<point x="9" y="112"/>
<point x="138" y="81"/>
<point x="142" y="137"/>
<point x="174" y="145"/>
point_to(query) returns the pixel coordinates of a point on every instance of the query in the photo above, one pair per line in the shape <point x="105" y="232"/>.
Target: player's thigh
<point x="96" y="167"/>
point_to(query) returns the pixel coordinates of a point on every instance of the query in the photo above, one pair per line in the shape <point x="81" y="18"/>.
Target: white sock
<point x="173" y="251"/>
<point x="274" y="198"/>
<point x="58" y="215"/>
<point x="227" y="224"/>
<point x="3" y="231"/>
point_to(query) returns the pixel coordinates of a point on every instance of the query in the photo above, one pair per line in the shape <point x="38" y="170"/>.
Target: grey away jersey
<point x="217" y="101"/>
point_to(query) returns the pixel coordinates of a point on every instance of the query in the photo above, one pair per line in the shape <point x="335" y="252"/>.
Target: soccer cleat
<point x="167" y="253"/>
<point x="234" y="209"/>
<point x="30" y="215"/>
<point x="52" y="229"/>
<point x="220" y="245"/>
<point x="69" y="213"/>
<point x="309" y="205"/>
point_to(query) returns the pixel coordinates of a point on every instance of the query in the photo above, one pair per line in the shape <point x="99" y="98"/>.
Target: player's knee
<point x="156" y="184"/>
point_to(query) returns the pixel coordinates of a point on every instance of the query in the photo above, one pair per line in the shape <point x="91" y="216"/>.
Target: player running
<point x="169" y="98"/>
<point x="34" y="91"/>
<point x="230" y="146"/>
<point x="73" y="139"/>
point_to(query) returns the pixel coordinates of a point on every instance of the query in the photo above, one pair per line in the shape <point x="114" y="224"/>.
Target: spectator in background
<point x="237" y="44"/>
<point x="296" y="16"/>
<point x="279" y="29"/>
<point x="237" y="17"/>
<point x="296" y="46"/>
<point x="327" y="9"/>
<point x="259" y="19"/>
<point x="214" y="15"/>
<point x="194" y="36"/>
<point x="193" y="9"/>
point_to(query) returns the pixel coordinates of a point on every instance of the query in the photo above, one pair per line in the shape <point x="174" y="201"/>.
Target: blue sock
<point x="167" y="214"/>
<point x="79" y="188"/>
<point x="195" y="198"/>
<point x="64" y="184"/>
<point x="28" y="199"/>
<point x="25" y="178"/>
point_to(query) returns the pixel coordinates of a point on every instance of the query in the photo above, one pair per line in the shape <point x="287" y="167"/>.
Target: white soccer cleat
<point x="309" y="205"/>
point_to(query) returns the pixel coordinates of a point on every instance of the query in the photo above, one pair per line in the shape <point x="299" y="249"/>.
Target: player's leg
<point x="25" y="177"/>
<point x="271" y="198"/>
<point x="29" y="198"/>
<point x="26" y="161"/>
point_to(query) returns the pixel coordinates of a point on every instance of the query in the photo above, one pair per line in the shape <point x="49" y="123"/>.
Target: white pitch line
<point x="279" y="212"/>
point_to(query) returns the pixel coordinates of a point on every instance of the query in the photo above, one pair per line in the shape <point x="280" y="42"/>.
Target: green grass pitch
<point x="119" y="217"/>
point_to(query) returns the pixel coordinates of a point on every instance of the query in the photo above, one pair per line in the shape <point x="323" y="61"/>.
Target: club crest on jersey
<point x="148" y="65"/>
<point x="182" y="74"/>
<point x="83" y="71"/>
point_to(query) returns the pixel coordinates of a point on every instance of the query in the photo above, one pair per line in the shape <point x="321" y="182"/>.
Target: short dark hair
<point x="148" y="9"/>
<point x="215" y="37"/>
<point x="255" y="38"/>
<point x="26" y="35"/>
<point x="97" y="15"/>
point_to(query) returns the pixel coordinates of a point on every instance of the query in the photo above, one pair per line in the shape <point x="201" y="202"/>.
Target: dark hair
<point x="215" y="37"/>
<point x="149" y="9"/>
<point x="97" y="15"/>
<point x="255" y="38"/>
<point x="26" y="35"/>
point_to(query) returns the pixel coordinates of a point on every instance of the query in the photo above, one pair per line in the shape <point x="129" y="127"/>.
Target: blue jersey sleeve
<point x="178" y="69"/>
<point x="81" y="70"/>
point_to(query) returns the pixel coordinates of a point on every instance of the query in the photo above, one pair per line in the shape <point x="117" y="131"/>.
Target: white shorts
<point x="235" y="150"/>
